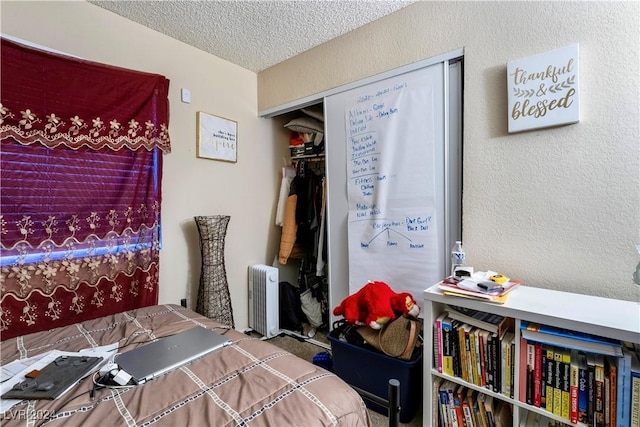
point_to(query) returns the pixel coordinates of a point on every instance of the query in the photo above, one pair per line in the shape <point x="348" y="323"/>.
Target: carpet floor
<point x="307" y="350"/>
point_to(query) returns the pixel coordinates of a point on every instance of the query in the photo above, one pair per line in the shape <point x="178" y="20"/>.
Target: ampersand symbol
<point x="541" y="90"/>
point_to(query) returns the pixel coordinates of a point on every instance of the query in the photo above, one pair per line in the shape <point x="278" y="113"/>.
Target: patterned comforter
<point x="250" y="382"/>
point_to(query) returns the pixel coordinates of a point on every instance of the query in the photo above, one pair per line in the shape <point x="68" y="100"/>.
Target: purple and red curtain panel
<point x="80" y="176"/>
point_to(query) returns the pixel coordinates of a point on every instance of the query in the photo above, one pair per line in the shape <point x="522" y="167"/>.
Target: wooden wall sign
<point x="543" y="90"/>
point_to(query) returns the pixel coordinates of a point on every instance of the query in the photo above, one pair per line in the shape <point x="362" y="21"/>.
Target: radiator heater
<point x="263" y="300"/>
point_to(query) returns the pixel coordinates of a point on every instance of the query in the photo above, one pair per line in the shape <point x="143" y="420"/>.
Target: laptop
<point x="147" y="362"/>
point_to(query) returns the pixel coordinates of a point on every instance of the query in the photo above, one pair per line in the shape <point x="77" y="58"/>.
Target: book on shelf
<point x="483" y="338"/>
<point x="566" y="383"/>
<point x="574" y="387"/>
<point x="611" y="373"/>
<point x="570" y="339"/>
<point x="591" y="384"/>
<point x="473" y="347"/>
<point x="472" y="401"/>
<point x="635" y="390"/>
<point x="550" y="368"/>
<point x="543" y="378"/>
<point x="481" y="319"/>
<point x="507" y="365"/>
<point x="437" y="341"/>
<point x="447" y="346"/>
<point x="583" y="388"/>
<point x="491" y="362"/>
<point x="496" y="361"/>
<point x="458" y="405"/>
<point x="464" y="355"/>
<point x="483" y="410"/>
<point x="607" y="398"/>
<point x="623" y="412"/>
<point x="443" y="409"/>
<point x="435" y="401"/>
<point x="599" y="391"/>
<point x="466" y="407"/>
<point x="457" y="352"/>
<point x="523" y="371"/>
<point x="557" y="382"/>
<point x="488" y="408"/>
<point x="449" y="389"/>
<point x="512" y="389"/>
<point x="537" y="374"/>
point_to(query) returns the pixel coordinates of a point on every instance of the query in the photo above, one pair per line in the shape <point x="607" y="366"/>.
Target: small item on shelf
<point x="457" y="257"/>
<point x="298" y="150"/>
<point x="499" y="279"/>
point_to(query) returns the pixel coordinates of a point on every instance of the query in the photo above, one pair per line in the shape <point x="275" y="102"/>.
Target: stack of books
<point x="580" y="377"/>
<point x="455" y="405"/>
<point x="477" y="347"/>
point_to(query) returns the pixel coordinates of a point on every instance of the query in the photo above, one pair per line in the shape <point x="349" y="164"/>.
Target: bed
<point x="250" y="382"/>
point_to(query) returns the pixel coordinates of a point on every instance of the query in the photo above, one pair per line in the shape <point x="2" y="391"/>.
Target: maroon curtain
<point x="80" y="199"/>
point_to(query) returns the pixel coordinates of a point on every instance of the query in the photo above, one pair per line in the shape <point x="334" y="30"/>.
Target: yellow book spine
<point x="566" y="381"/>
<point x="474" y="357"/>
<point x="549" y="384"/>
<point x="463" y="352"/>
<point x="557" y="383"/>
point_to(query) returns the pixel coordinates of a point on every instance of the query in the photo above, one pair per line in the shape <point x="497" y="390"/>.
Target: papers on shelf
<point x="475" y="287"/>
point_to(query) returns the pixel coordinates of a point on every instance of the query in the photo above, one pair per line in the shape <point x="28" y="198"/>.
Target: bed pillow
<point x="305" y="125"/>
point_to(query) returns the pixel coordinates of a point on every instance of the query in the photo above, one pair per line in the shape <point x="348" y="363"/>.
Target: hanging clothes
<point x="321" y="255"/>
<point x="288" y="173"/>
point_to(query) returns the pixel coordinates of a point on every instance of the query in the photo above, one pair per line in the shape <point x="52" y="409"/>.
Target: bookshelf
<point x="605" y="317"/>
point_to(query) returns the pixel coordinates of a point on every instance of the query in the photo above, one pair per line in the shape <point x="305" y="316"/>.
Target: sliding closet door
<point x="393" y="152"/>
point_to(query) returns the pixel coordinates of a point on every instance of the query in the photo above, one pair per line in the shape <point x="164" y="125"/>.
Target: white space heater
<point x="264" y="310"/>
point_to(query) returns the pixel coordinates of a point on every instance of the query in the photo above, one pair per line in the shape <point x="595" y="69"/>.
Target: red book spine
<point x="573" y="388"/>
<point x="537" y="375"/>
<point x="522" y="365"/>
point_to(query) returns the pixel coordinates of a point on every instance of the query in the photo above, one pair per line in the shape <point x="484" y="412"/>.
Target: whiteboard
<point x="388" y="177"/>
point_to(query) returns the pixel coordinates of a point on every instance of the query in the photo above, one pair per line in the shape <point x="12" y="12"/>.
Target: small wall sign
<point x="217" y="138"/>
<point x="543" y="90"/>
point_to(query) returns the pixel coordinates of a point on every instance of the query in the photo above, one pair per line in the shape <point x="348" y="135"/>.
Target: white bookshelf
<point x="606" y="317"/>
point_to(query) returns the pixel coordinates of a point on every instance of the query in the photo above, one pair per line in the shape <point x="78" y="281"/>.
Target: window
<point x="80" y="202"/>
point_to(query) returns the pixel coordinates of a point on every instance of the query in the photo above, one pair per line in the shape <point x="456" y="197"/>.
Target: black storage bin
<point x="371" y="371"/>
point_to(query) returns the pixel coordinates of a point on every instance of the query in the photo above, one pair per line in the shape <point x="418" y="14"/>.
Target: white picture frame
<point x="543" y="90"/>
<point x="217" y="138"/>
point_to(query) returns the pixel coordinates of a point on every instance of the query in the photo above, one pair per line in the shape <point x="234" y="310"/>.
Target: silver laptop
<point x="147" y="362"/>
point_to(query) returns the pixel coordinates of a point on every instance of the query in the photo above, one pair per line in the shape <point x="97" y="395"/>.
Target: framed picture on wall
<point x="217" y="138"/>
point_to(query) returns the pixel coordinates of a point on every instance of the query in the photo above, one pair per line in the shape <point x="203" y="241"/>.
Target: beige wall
<point x="244" y="190"/>
<point x="559" y="208"/>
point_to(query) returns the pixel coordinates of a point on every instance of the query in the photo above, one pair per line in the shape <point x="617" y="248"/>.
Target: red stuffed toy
<point x="376" y="304"/>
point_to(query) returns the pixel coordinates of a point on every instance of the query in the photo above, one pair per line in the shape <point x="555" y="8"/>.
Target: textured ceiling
<point x="254" y="34"/>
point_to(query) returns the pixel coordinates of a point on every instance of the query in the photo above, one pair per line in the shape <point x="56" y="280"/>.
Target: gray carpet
<point x="307" y="351"/>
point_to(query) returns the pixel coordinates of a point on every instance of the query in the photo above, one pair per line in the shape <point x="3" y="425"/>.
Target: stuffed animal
<point x="376" y="304"/>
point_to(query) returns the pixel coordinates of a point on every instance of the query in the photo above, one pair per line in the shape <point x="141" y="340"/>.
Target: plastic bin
<point x="371" y="371"/>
